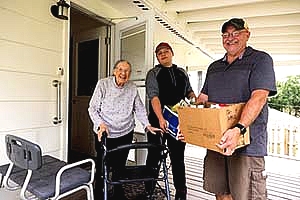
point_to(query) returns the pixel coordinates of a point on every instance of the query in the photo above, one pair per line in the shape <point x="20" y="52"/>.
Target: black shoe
<point x="98" y="197"/>
<point x="119" y="197"/>
<point x="118" y="193"/>
<point x="149" y="187"/>
<point x="180" y="194"/>
<point x="150" y="196"/>
<point x="179" y="198"/>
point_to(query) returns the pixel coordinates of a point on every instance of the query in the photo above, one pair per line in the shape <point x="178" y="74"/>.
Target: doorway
<point x="88" y="62"/>
<point x="90" y="59"/>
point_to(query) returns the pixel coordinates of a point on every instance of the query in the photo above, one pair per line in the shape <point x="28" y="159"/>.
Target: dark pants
<point x="116" y="160"/>
<point x="177" y="149"/>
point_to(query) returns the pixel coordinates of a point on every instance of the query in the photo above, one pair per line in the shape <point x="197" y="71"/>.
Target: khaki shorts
<point x="243" y="177"/>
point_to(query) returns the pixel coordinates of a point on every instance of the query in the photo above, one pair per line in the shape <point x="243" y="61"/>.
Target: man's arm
<point x="253" y="107"/>
<point x="156" y="105"/>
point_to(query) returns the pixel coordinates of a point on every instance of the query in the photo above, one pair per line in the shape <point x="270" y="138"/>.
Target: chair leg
<point x="91" y="191"/>
<point x="25" y="184"/>
<point x="5" y="181"/>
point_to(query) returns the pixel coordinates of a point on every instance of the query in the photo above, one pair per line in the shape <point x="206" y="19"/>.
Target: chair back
<point x="23" y="153"/>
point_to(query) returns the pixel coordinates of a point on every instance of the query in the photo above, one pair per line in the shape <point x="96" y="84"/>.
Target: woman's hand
<point x="101" y="129"/>
<point x="153" y="130"/>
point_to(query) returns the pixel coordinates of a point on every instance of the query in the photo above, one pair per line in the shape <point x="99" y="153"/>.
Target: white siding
<point x="31" y="50"/>
<point x="33" y="44"/>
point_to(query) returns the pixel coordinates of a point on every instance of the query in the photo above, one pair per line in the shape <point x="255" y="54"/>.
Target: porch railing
<point x="283" y="135"/>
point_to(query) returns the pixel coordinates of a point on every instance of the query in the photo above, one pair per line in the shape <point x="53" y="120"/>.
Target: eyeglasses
<point x="233" y="34"/>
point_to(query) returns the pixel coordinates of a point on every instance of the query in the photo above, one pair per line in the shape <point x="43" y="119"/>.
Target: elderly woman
<point x="112" y="107"/>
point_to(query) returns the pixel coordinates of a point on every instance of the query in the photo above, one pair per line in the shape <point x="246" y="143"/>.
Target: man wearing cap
<point x="242" y="75"/>
<point x="167" y="84"/>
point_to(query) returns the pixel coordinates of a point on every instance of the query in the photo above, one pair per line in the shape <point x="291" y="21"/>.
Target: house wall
<point x="33" y="45"/>
<point x="31" y="50"/>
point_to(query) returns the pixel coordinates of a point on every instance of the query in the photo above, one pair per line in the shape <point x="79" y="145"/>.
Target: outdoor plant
<point x="288" y="96"/>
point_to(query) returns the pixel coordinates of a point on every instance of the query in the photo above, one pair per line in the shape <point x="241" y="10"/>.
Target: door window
<point x="88" y="52"/>
<point x="133" y="50"/>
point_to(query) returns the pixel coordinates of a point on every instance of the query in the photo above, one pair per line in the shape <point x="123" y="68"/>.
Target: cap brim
<point x="162" y="47"/>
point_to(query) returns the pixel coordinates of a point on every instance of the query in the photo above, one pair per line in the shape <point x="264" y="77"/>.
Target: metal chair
<point x="45" y="177"/>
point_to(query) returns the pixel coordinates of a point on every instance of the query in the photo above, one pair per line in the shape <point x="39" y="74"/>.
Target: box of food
<point x="204" y="127"/>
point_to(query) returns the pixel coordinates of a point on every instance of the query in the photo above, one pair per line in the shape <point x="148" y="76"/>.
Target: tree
<point x="288" y="96"/>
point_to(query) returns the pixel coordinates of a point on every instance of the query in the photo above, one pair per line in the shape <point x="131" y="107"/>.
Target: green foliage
<point x="288" y="96"/>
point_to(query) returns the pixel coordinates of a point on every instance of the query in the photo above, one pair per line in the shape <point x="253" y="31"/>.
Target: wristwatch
<point x="241" y="127"/>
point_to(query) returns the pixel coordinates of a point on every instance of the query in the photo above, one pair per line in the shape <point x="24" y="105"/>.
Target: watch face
<point x="243" y="130"/>
<point x="241" y="127"/>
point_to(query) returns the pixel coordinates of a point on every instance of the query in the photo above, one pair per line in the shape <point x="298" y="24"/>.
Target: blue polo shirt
<point x="234" y="83"/>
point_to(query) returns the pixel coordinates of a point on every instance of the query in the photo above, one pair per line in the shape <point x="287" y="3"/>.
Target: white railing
<point x="283" y="135"/>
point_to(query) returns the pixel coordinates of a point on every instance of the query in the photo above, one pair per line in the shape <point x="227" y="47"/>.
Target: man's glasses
<point x="233" y="34"/>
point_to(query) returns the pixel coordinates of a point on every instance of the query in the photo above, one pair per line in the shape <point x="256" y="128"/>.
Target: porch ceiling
<point x="274" y="24"/>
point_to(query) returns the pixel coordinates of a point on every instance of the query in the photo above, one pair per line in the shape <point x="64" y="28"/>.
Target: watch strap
<point x="241" y="127"/>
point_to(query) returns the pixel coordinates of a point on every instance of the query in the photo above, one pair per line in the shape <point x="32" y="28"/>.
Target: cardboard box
<point x="205" y="126"/>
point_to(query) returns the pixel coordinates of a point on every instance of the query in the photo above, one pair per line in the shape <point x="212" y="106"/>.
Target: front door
<point x="87" y="64"/>
<point x="85" y="76"/>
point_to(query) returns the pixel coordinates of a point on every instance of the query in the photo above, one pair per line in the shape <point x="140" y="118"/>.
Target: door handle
<point x="57" y="119"/>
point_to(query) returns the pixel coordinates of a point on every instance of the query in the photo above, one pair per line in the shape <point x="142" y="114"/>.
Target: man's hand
<point x="229" y="141"/>
<point x="180" y="137"/>
<point x="163" y="125"/>
<point x="201" y="99"/>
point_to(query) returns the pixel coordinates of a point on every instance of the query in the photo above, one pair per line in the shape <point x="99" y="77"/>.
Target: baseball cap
<point x="163" y="45"/>
<point x="237" y="23"/>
